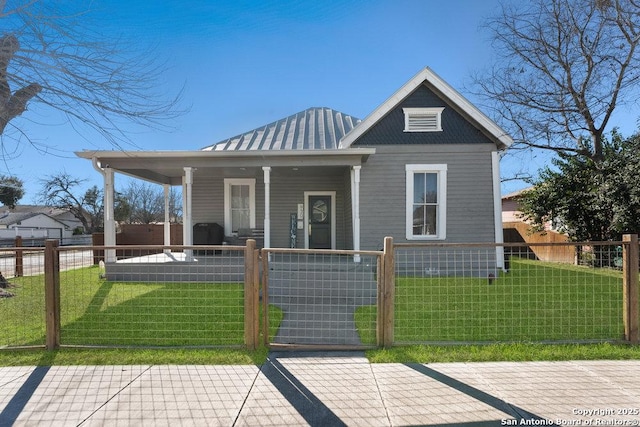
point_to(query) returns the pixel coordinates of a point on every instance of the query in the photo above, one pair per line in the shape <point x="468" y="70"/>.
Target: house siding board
<point x="470" y="217"/>
<point x="390" y="129"/>
<point x="207" y="200"/>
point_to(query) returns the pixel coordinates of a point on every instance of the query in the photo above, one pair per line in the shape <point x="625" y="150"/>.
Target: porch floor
<point x="226" y="267"/>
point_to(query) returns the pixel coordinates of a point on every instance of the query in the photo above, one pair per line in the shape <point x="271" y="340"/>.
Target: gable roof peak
<point x="427" y="75"/>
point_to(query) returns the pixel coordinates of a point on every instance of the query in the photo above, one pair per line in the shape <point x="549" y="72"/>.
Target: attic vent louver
<point x="422" y="119"/>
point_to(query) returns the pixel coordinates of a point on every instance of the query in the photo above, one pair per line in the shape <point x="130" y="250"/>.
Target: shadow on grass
<point x="179" y="314"/>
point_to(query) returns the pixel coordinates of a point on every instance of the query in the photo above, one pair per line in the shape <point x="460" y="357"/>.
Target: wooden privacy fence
<point x="399" y="290"/>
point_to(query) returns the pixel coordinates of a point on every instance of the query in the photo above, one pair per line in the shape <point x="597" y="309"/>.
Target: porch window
<point x="239" y="205"/>
<point x="426" y="202"/>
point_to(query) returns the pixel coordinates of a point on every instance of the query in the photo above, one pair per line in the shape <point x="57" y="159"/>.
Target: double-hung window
<point x="239" y="205"/>
<point x="426" y="202"/>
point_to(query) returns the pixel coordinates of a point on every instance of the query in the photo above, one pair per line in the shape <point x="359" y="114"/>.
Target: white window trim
<point x="228" y="182"/>
<point x="441" y="213"/>
<point x="436" y="111"/>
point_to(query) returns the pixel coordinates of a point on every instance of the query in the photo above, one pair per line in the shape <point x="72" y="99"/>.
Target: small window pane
<point x="418" y="188"/>
<point x="239" y="219"/>
<point x="425" y="188"/>
<point x="240" y="197"/>
<point x="240" y="207"/>
<point x="431" y="195"/>
<point x="424" y="220"/>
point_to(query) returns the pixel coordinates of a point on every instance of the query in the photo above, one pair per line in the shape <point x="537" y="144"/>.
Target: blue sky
<point x="247" y="63"/>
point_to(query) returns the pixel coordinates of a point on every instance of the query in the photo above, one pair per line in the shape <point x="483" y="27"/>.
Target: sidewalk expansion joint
<point x="115" y="394"/>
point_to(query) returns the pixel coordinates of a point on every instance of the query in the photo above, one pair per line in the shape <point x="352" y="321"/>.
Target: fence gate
<point x="325" y="299"/>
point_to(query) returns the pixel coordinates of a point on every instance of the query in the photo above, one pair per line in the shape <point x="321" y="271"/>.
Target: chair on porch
<point x="257" y="234"/>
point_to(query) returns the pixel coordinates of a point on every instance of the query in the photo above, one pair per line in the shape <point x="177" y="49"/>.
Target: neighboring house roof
<point x="48" y="210"/>
<point x="61" y="215"/>
<point x="491" y="129"/>
<point x="11" y="218"/>
<point x="515" y="194"/>
<point x="317" y="128"/>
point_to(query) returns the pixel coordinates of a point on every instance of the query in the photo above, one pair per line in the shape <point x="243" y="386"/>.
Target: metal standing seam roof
<point x="317" y="128"/>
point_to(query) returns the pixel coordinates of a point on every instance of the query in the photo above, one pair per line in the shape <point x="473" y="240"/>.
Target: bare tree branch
<point x="50" y="54"/>
<point x="563" y="68"/>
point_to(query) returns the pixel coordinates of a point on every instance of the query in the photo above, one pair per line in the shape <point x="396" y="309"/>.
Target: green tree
<point x="586" y="199"/>
<point x="11" y="190"/>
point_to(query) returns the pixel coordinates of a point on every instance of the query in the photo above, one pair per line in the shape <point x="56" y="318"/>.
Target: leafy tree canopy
<point x="11" y="190"/>
<point x="586" y="199"/>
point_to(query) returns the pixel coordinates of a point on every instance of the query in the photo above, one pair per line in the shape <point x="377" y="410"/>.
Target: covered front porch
<point x="303" y="199"/>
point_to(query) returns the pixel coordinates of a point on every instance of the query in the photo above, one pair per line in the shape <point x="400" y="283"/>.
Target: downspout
<point x="108" y="203"/>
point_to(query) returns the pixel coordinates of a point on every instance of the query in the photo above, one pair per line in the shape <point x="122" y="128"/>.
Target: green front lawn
<point x="95" y="311"/>
<point x="535" y="301"/>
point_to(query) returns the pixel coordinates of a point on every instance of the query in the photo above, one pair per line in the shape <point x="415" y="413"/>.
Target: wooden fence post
<point x="388" y="292"/>
<point x="19" y="259"/>
<point x="52" y="293"/>
<point x="630" y="287"/>
<point x="250" y="304"/>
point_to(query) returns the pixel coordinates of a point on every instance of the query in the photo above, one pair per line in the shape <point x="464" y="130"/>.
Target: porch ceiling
<point x="167" y="167"/>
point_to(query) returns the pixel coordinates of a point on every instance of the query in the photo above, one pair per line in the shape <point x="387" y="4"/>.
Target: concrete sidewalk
<point x="323" y="390"/>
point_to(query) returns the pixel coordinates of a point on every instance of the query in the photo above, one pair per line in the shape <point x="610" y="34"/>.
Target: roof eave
<point x="98" y="154"/>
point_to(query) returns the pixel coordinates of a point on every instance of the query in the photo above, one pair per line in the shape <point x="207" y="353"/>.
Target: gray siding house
<point x="422" y="167"/>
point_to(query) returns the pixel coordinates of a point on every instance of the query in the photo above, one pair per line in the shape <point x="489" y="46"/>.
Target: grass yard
<point x="535" y="301"/>
<point x="98" y="312"/>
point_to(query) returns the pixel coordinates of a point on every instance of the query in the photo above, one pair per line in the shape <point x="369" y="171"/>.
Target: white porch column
<point x="497" y="208"/>
<point x="267" y="206"/>
<point x="167" y="218"/>
<point x="355" y="200"/>
<point x="187" y="228"/>
<point x="109" y="219"/>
